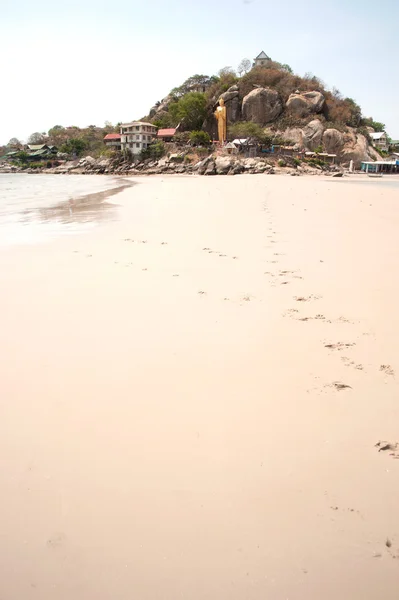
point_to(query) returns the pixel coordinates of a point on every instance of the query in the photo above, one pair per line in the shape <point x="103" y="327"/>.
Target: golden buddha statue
<point x="220" y="114"/>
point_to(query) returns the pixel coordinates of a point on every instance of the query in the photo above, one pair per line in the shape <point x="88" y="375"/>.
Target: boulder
<point x="223" y="164"/>
<point x="357" y="148"/>
<point x="312" y="134"/>
<point x="261" y="105"/>
<point x="305" y="103"/>
<point x="333" y="141"/>
<point x="210" y="169"/>
<point x="293" y="135"/>
<point x="231" y="93"/>
<point x="233" y="104"/>
<point x="201" y="166"/>
<point x="249" y="163"/>
<point x="261" y="168"/>
<point x="234" y="110"/>
<point x="236" y="168"/>
<point x="161" y="107"/>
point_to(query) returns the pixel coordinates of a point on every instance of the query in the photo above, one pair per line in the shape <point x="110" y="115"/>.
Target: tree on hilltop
<point x="36" y="138"/>
<point x="244" y="66"/>
<point x="14" y="143"/>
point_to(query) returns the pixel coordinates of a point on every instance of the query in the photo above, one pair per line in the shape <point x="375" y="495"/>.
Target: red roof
<point x="112" y="136"/>
<point x="166" y="132"/>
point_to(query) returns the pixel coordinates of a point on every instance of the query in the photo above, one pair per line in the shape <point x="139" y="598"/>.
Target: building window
<point x="137" y="128"/>
<point x="137" y="137"/>
<point x="137" y="145"/>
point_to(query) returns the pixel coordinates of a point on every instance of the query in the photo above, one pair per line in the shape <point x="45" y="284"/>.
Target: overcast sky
<point x="82" y="62"/>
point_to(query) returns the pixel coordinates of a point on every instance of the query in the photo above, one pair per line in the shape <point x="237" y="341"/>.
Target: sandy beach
<point x="192" y="394"/>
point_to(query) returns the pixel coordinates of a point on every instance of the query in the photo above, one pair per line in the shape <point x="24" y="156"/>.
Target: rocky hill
<point x="295" y="110"/>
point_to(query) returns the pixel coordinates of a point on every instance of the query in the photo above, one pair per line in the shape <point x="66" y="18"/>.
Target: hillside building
<point x="380" y="140"/>
<point x="137" y="136"/>
<point x="261" y="60"/>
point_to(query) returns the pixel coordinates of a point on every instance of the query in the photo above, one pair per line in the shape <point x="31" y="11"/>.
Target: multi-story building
<point x="380" y="140"/>
<point x="136" y="136"/>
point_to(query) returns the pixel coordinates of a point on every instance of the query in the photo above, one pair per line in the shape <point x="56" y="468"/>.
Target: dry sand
<point x="172" y="421"/>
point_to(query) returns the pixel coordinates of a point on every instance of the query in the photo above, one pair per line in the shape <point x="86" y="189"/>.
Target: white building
<point x="261" y="60"/>
<point x="380" y="140"/>
<point x="136" y="136"/>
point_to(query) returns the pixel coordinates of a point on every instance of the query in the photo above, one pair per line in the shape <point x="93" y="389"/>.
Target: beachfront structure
<point x="166" y="135"/>
<point x="137" y="136"/>
<point x="41" y="147"/>
<point x="261" y="60"/>
<point x="380" y="140"/>
<point x="380" y="166"/>
<point x="113" y="141"/>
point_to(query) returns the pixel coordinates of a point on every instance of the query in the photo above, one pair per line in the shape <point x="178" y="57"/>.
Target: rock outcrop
<point x="312" y="134"/>
<point x="262" y="105"/>
<point x="305" y="103"/>
<point x="357" y="148"/>
<point x="333" y="141"/>
<point x="233" y="104"/>
<point x="162" y="107"/>
<point x="231" y="93"/>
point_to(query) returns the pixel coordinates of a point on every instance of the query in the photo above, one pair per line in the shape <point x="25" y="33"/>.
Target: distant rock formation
<point x="262" y="106"/>
<point x="302" y="104"/>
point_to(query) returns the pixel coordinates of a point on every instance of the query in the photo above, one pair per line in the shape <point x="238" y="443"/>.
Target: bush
<point x="376" y="125"/>
<point x="281" y="163"/>
<point x="182" y="137"/>
<point x="200" y="138"/>
<point x="154" y="151"/>
<point x="297" y="162"/>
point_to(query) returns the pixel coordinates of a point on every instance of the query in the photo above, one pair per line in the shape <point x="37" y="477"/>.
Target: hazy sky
<point x="82" y="62"/>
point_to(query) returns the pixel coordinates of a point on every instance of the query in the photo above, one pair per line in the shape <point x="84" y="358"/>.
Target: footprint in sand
<point x="339" y="386"/>
<point x="339" y="346"/>
<point x="306" y="298"/>
<point x="387" y="369"/>
<point x="391" y="447"/>
<point x="351" y="363"/>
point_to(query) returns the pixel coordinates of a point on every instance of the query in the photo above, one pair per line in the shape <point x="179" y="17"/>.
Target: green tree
<point x="74" y="146"/>
<point x="190" y="111"/>
<point x="200" y="138"/>
<point x="287" y="68"/>
<point x="376" y="125"/>
<point x="154" y="151"/>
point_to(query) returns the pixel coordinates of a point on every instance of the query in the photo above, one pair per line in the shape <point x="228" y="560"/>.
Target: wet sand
<point x="191" y="397"/>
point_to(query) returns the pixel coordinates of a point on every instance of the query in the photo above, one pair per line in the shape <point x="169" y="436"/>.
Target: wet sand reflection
<point x="86" y="209"/>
